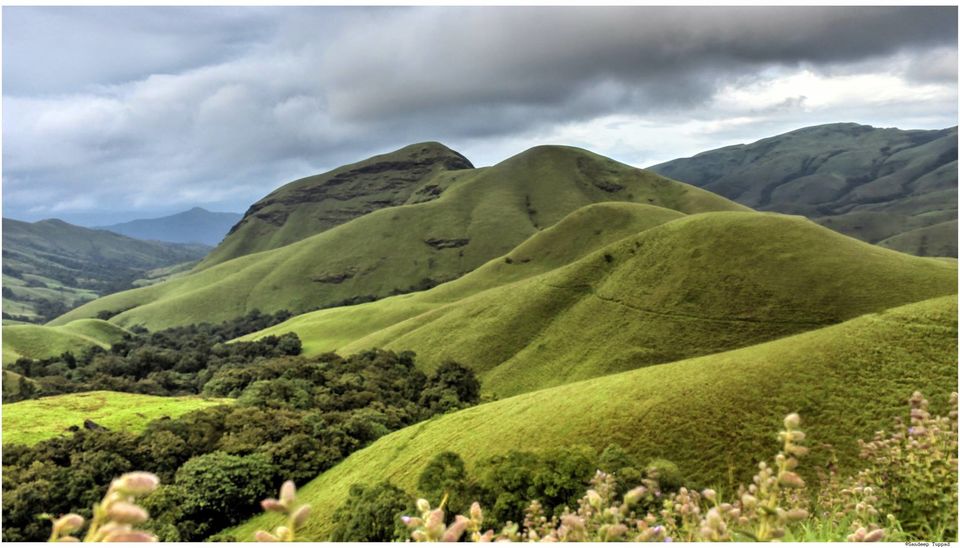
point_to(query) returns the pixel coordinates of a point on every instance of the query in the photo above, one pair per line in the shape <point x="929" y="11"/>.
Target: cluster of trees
<point x="294" y="418"/>
<point x="504" y="485"/>
<point x="174" y="361"/>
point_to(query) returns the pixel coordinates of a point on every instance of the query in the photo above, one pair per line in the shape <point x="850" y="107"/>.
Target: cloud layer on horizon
<point x="160" y="109"/>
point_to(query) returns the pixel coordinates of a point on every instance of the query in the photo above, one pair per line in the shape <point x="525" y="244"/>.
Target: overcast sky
<point x="116" y="113"/>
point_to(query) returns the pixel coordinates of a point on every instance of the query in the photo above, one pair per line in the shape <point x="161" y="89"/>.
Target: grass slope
<point x="937" y="240"/>
<point x="870" y="183"/>
<point x="51" y="266"/>
<point x="697" y="285"/>
<point x="31" y="421"/>
<point x="715" y="416"/>
<point x="39" y="341"/>
<point x="314" y="204"/>
<point x="576" y="235"/>
<point x="484" y="213"/>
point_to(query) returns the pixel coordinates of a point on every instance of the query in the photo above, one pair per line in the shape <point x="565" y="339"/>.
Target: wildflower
<point x="791" y="479"/>
<point x="634" y="495"/>
<point x="130" y="536"/>
<point x="797" y="514"/>
<point x="456" y="529"/>
<point x="287" y="492"/>
<point x="300" y="517"/>
<point x="273" y="505"/>
<point x="68" y="523"/>
<point x="423" y="506"/>
<point x="296" y="515"/>
<point x="124" y="512"/>
<point x="136" y="483"/>
<point x="475" y="512"/>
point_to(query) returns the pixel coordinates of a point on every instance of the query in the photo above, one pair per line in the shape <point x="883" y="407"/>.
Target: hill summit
<point x="314" y="204"/>
<point x="196" y="225"/>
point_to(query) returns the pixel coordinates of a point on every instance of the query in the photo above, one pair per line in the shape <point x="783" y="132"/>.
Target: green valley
<point x="51" y="266"/>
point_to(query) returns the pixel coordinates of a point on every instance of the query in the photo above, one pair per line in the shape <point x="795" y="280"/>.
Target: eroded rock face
<point x="384" y="184"/>
<point x="446" y="243"/>
<point x="314" y="204"/>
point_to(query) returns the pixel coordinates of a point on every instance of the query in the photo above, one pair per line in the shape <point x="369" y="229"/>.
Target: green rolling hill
<point x="934" y="240"/>
<point x="871" y="183"/>
<point x="311" y="205"/>
<point x="28" y="422"/>
<point x="576" y="235"/>
<point x="692" y="286"/>
<point x="714" y="416"/>
<point x="602" y="303"/>
<point x="482" y="214"/>
<point x="40" y="341"/>
<point x="51" y="266"/>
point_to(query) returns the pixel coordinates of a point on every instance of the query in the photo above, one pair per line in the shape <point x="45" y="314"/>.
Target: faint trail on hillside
<point x="593" y="292"/>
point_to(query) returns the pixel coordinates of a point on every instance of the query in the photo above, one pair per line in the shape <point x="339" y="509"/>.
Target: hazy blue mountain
<point x="194" y="226"/>
<point x="896" y="188"/>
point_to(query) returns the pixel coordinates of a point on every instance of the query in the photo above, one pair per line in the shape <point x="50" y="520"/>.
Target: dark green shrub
<point x="507" y="483"/>
<point x="446" y="476"/>
<point x="372" y="514"/>
<point x="666" y="473"/>
<point x="218" y="489"/>
<point x="277" y="393"/>
<point x="451" y="387"/>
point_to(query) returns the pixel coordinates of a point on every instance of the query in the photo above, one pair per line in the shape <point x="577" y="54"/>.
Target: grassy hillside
<point x="483" y="214"/>
<point x="693" y="286"/>
<point x="311" y="205"/>
<point x="937" y="240"/>
<point x="870" y="183"/>
<point x="28" y="422"/>
<point x="714" y="416"/>
<point x="38" y="341"/>
<point x="576" y="235"/>
<point x="196" y="225"/>
<point x="51" y="266"/>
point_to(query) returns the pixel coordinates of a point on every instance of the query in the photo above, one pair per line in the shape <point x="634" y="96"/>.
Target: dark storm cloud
<point x="160" y="108"/>
<point x="642" y="57"/>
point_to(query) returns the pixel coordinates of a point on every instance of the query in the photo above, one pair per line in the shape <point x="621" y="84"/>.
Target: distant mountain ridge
<point x="195" y="226"/>
<point x="896" y="188"/>
<point x="51" y="266"/>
